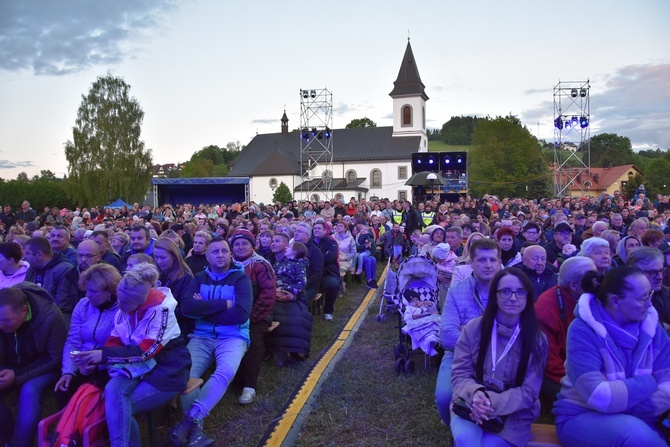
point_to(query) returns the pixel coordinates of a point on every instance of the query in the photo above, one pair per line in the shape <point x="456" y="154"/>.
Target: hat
<point x="521" y="213"/>
<point x="242" y="233"/>
<point x="347" y="217"/>
<point x="664" y="247"/>
<point x="88" y="234"/>
<point x="131" y="292"/>
<point x="441" y="251"/>
<point x="580" y="216"/>
<point x="506" y="214"/>
<point x="562" y="226"/>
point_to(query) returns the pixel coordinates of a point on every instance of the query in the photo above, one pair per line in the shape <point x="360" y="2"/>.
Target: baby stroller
<point x="416" y="278"/>
<point x="388" y="299"/>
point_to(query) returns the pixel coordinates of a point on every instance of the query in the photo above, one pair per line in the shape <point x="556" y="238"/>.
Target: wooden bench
<point x="543" y="435"/>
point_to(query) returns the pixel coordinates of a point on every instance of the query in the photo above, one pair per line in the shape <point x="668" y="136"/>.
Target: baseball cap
<point x="562" y="226"/>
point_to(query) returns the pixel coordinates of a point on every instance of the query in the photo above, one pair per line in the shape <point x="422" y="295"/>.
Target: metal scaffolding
<point x="572" y="134"/>
<point x="316" y="144"/>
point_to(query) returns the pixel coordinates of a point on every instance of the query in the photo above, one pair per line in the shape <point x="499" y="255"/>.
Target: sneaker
<point x="179" y="434"/>
<point x="372" y="284"/>
<point x="247" y="396"/>
<point x="197" y="438"/>
<point x="328" y="317"/>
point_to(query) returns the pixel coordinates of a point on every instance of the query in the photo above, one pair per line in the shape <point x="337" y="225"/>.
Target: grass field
<point x="441" y="146"/>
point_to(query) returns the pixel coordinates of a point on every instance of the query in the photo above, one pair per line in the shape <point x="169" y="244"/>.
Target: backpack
<point x="86" y="406"/>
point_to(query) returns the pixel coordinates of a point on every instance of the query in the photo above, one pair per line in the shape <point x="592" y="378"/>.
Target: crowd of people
<point x="139" y="300"/>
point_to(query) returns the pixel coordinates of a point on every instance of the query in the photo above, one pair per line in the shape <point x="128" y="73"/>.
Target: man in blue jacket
<point x="220" y="299"/>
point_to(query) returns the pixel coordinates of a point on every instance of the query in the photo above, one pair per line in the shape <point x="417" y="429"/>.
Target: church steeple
<point x="409" y="80"/>
<point x="284" y="123"/>
<point x="409" y="101"/>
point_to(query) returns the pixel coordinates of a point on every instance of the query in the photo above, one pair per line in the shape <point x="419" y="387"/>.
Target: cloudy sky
<point x="212" y="72"/>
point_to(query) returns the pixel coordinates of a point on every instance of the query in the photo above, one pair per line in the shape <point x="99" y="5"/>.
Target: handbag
<point x="462" y="410"/>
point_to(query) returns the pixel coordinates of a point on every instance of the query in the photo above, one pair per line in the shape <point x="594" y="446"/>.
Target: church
<point x="367" y="162"/>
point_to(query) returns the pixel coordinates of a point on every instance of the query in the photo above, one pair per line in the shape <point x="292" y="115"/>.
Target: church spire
<point x="284" y="123"/>
<point x="409" y="80"/>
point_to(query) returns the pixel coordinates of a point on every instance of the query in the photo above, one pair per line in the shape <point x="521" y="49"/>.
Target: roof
<point x="279" y="154"/>
<point x="200" y="181"/>
<point x="600" y="178"/>
<point x="409" y="80"/>
<point x="339" y="184"/>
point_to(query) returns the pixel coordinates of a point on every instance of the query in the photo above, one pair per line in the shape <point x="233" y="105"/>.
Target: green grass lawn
<point x="441" y="146"/>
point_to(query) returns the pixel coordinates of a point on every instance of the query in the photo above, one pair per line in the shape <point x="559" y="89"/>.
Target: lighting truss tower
<point x="316" y="144"/>
<point x="572" y="119"/>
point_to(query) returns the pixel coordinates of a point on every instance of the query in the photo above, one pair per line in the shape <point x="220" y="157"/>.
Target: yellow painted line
<point x="287" y="420"/>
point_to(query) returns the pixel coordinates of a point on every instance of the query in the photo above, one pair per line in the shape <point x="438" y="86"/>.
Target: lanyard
<point x="494" y="345"/>
<point x="478" y="298"/>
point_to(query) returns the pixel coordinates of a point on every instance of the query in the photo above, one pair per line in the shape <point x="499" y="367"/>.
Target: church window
<point x="402" y="172"/>
<point x="402" y="195"/>
<point x="315" y="198"/>
<point x="273" y="183"/>
<point x="376" y="176"/>
<point x="351" y="176"/>
<point x="406" y="115"/>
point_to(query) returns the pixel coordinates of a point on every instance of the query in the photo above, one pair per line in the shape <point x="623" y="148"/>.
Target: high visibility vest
<point x="427" y="218"/>
<point x="397" y="216"/>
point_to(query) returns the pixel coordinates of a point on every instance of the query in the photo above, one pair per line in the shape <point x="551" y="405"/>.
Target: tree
<point x="459" y="129"/>
<point x="611" y="149"/>
<point x="506" y="160"/>
<point x="282" y="194"/>
<point x="22" y="177"/>
<point x="361" y="123"/>
<point x="107" y="159"/>
<point x="211" y="161"/>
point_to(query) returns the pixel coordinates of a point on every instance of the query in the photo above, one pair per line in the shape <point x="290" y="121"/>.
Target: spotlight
<point x="320" y="135"/>
<point x="418" y="161"/>
<point x="583" y="122"/>
<point x="327" y="132"/>
<point x="582" y="93"/>
<point x="568" y="124"/>
<point x="573" y="93"/>
<point x="558" y="123"/>
<point x="313" y="131"/>
<point x="460" y="160"/>
<point x="447" y="159"/>
<point x="431" y="160"/>
<point x="575" y="120"/>
<point x="305" y="94"/>
<point x="312" y="94"/>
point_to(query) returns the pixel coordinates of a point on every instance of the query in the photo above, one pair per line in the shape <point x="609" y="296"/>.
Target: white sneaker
<point x="247" y="396"/>
<point x="328" y="317"/>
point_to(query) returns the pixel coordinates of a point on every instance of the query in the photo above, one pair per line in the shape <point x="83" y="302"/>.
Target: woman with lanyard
<point x="498" y="368"/>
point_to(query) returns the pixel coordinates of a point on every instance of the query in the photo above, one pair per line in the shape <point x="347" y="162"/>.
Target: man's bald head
<point x="535" y="258"/>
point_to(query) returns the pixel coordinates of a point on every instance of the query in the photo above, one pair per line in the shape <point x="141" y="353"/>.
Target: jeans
<point x="227" y="355"/>
<point x="360" y="257"/>
<point x="370" y="267"/>
<point x="594" y="429"/>
<point x="250" y="367"/>
<point x="469" y="434"/>
<point x="443" y="388"/>
<point x="331" y="287"/>
<point x="125" y="397"/>
<point x="29" y="410"/>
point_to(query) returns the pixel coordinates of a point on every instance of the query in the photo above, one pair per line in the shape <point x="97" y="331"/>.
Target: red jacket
<point x="549" y="315"/>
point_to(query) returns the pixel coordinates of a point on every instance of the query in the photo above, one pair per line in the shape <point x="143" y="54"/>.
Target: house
<point x="162" y="171"/>
<point x="372" y="161"/>
<point x="598" y="181"/>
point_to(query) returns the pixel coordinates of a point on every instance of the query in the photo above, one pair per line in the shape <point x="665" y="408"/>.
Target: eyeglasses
<point x="645" y="299"/>
<point x="506" y="293"/>
<point x="653" y="273"/>
<point x="86" y="256"/>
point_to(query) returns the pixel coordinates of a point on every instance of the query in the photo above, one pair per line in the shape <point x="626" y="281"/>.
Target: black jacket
<point x="331" y="255"/>
<point x="36" y="348"/>
<point x="314" y="270"/>
<point x="543" y="282"/>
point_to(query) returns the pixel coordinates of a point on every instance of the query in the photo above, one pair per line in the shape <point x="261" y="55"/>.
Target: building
<point x="599" y="181"/>
<point x="373" y="161"/>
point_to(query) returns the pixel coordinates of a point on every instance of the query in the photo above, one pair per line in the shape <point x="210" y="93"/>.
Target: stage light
<point x="558" y="123"/>
<point x="305" y="94"/>
<point x="460" y="160"/>
<point x="573" y="93"/>
<point x="447" y="160"/>
<point x="313" y="131"/>
<point x="327" y="132"/>
<point x="575" y="119"/>
<point x="582" y="93"/>
<point x="568" y="124"/>
<point x="431" y="160"/>
<point x="418" y="161"/>
<point x="583" y="122"/>
<point x="312" y="94"/>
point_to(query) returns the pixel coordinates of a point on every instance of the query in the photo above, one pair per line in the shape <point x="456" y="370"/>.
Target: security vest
<point x="397" y="217"/>
<point x="427" y="219"/>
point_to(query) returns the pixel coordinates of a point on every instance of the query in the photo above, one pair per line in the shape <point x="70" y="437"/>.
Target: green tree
<point x="197" y="168"/>
<point x="360" y="123"/>
<point x="506" y="160"/>
<point x="611" y="149"/>
<point x="657" y="177"/>
<point x="282" y="194"/>
<point x="459" y="129"/>
<point x="211" y="161"/>
<point x="107" y="159"/>
<point x="22" y="177"/>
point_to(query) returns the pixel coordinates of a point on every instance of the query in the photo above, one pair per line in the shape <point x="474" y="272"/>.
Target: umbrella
<point x="424" y="179"/>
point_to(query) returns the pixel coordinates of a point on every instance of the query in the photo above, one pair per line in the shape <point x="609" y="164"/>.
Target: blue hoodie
<point x="214" y="319"/>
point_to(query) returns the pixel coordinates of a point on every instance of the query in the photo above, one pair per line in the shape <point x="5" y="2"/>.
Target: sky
<point x="214" y="72"/>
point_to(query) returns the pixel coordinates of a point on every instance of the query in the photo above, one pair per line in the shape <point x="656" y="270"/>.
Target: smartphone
<point x="75" y="352"/>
